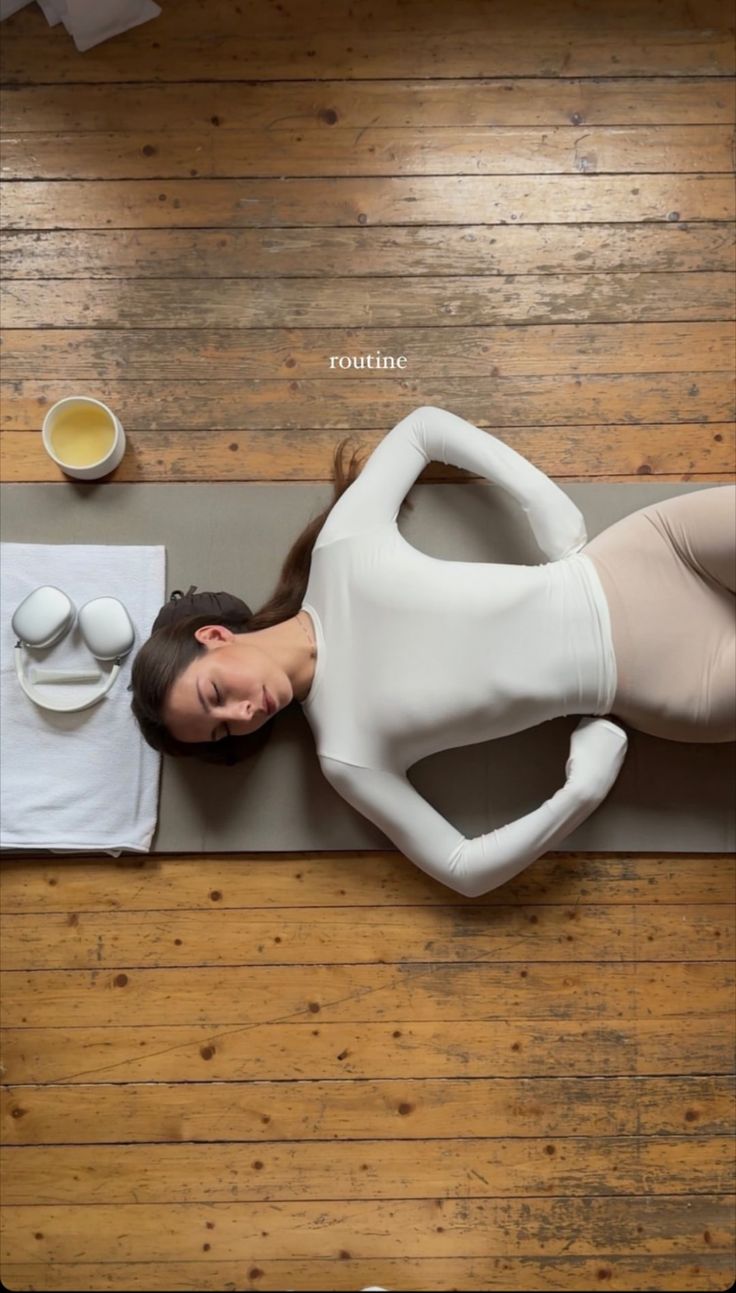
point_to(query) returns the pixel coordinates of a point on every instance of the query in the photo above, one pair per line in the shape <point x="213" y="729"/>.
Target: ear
<point x="214" y="635"/>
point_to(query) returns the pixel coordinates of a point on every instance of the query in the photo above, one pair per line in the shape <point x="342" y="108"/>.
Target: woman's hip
<point x="668" y="572"/>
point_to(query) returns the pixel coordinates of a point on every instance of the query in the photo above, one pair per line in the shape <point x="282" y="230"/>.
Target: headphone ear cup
<point x="44" y="617"/>
<point x="106" y="628"/>
<point x="68" y="626"/>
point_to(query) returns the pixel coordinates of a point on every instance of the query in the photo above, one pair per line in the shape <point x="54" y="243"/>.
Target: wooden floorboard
<point x="312" y="1071"/>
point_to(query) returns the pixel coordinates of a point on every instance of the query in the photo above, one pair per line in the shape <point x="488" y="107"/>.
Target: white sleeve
<point x="432" y="434"/>
<point x="469" y="866"/>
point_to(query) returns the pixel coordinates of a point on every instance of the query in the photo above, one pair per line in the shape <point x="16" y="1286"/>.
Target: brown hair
<point x="170" y="650"/>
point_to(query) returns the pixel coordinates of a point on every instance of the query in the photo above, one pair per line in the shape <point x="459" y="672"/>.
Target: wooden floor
<point x="325" y="1071"/>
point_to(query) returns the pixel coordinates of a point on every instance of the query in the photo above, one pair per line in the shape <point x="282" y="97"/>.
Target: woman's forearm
<point x="489" y="860"/>
<point x="556" y="521"/>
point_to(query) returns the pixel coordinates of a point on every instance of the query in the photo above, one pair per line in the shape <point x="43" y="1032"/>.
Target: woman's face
<point x="231" y="689"/>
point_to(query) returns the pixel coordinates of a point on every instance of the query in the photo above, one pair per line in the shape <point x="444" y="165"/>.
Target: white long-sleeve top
<point x="416" y="654"/>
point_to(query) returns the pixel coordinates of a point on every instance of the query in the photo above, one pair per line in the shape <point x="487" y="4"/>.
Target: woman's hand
<point x="597" y="751"/>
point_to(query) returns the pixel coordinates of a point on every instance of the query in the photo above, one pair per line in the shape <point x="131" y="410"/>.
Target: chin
<point x="279" y="706"/>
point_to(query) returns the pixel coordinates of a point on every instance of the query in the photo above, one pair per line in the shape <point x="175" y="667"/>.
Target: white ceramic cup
<point x="92" y="470"/>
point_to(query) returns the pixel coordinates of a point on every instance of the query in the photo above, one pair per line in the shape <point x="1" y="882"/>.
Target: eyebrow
<point x="204" y="707"/>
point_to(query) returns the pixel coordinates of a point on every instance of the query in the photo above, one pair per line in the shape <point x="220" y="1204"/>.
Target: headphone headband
<point x="45" y="616"/>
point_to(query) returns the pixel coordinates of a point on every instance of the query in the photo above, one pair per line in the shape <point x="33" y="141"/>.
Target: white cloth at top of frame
<point x="89" y="22"/>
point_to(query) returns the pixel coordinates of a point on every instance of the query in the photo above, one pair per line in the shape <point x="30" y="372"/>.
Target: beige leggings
<point x="669" y="575"/>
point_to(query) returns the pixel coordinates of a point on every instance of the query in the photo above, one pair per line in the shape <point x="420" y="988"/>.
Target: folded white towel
<point x="86" y="780"/>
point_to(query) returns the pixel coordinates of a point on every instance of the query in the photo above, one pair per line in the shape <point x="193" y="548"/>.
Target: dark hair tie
<point x="220" y="607"/>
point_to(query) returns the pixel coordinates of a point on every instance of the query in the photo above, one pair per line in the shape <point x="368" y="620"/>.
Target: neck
<point x="302" y="685"/>
<point x="292" y="646"/>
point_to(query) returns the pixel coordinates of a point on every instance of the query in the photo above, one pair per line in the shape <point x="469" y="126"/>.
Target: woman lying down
<point x="395" y="655"/>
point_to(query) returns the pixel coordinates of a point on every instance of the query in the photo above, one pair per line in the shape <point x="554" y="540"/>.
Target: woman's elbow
<point x="468" y="887"/>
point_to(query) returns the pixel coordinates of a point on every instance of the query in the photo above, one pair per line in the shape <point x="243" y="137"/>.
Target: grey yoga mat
<point x="669" y="796"/>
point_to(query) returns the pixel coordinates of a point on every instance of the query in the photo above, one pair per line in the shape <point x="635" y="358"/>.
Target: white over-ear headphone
<point x="46" y="616"/>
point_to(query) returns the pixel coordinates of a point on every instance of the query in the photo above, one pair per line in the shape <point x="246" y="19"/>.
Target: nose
<point x="245" y="711"/>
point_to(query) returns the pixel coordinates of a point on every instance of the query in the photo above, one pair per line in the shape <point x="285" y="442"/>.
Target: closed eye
<point x="217" y="698"/>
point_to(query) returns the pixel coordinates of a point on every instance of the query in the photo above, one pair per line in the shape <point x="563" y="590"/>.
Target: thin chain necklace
<point x="312" y="653"/>
<point x="310" y="639"/>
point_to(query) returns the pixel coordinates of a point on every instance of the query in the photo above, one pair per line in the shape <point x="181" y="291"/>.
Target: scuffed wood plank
<point x="351" y="1166"/>
<point x="399" y="252"/>
<point x="160" y="939"/>
<point x="667" y="452"/>
<point x="685" y="1109"/>
<point x="365" y="401"/>
<point x="227" y="353"/>
<point x="36" y="882"/>
<point x="700" y="1273"/>
<point x="248" y="995"/>
<point x="238" y="303"/>
<point x="415" y="200"/>
<point x="235" y="42"/>
<point x="389" y="104"/>
<point x="451" y="150"/>
<point x="416" y="1048"/>
<point x="434" y="1227"/>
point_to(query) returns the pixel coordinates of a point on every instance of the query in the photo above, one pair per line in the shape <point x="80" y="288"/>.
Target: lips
<point x="270" y="704"/>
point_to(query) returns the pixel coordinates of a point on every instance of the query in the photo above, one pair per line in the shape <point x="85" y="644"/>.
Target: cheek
<point x="246" y="674"/>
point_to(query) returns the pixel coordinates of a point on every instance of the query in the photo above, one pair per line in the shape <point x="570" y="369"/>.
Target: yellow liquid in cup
<point x="82" y="434"/>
